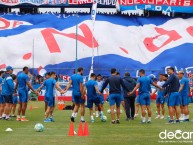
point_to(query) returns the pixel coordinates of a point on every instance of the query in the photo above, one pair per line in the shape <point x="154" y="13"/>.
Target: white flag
<point x="94" y="10"/>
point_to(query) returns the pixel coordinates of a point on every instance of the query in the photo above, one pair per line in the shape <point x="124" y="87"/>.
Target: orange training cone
<point x="80" y="130"/>
<point x="31" y="108"/>
<point x="86" y="132"/>
<point x="71" y="129"/>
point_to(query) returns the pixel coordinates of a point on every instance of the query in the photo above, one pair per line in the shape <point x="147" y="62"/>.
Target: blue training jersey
<point x="77" y="79"/>
<point x="161" y="93"/>
<point x="49" y="84"/>
<point x="91" y="92"/>
<point x="22" y="80"/>
<point x="145" y="84"/>
<point x="100" y="85"/>
<point x="7" y="85"/>
<point x="185" y="91"/>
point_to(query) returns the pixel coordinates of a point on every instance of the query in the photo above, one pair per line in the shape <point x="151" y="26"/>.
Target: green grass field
<point x="101" y="133"/>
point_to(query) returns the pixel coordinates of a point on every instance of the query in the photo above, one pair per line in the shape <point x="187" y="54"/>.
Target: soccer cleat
<point x="143" y="122"/>
<point x="177" y="121"/>
<point x="92" y="120"/>
<point x="52" y="120"/>
<point x="112" y="122"/>
<point x="83" y="121"/>
<point x="47" y="120"/>
<point x="13" y="115"/>
<point x="8" y="118"/>
<point x="149" y="122"/>
<point x="186" y="120"/>
<point x="162" y="117"/>
<point x="117" y="121"/>
<point x="157" y="117"/>
<point x="72" y="118"/>
<point x="135" y="116"/>
<point x="18" y="119"/>
<point x="170" y="122"/>
<point x="24" y="119"/>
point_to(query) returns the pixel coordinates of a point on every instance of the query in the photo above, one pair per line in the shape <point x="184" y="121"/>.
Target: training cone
<point x="71" y="129"/>
<point x="86" y="132"/>
<point x="31" y="108"/>
<point x="80" y="130"/>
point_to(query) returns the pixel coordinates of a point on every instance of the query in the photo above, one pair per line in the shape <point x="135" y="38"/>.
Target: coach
<point x="130" y="84"/>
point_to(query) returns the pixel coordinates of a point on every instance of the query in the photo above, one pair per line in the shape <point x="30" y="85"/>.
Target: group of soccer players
<point x="174" y="89"/>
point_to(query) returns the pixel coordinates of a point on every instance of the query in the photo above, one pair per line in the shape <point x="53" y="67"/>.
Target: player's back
<point x="77" y="79"/>
<point x="114" y="84"/>
<point x="185" y="82"/>
<point x="90" y="86"/>
<point x="22" y="79"/>
<point x="145" y="84"/>
<point x="7" y="85"/>
<point x="49" y="84"/>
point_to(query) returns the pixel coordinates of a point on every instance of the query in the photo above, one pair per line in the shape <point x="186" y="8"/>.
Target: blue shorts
<point x="101" y="99"/>
<point x="122" y="98"/>
<point x="8" y="99"/>
<point x="115" y="98"/>
<point x="160" y="100"/>
<point x="51" y="101"/>
<point x="144" y="99"/>
<point x="46" y="99"/>
<point x="184" y="100"/>
<point x="95" y="101"/>
<point x="15" y="100"/>
<point x="173" y="99"/>
<point x="23" y="96"/>
<point x="2" y="100"/>
<point x="78" y="99"/>
<point x="137" y="100"/>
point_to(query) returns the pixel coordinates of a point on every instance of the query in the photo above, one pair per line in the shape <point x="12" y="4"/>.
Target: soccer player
<point x="78" y="93"/>
<point x="14" y="98"/>
<point x="2" y="101"/>
<point x="160" y="100"/>
<point x="144" y="85"/>
<point x="92" y="90"/>
<point x="8" y="90"/>
<point x="184" y="98"/>
<point x="50" y="83"/>
<point x="115" y="83"/>
<point x="21" y="85"/>
<point x="173" y="95"/>
<point x="100" y="83"/>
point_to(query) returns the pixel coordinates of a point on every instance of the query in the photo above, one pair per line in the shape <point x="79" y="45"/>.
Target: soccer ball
<point x="103" y="118"/>
<point x="39" y="127"/>
<point x="121" y="111"/>
<point x="109" y="111"/>
<point x="115" y="111"/>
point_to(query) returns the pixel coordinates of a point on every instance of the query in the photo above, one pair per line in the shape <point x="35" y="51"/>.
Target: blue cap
<point x="9" y="68"/>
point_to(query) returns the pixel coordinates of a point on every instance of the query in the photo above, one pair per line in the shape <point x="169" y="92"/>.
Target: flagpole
<point x="93" y="17"/>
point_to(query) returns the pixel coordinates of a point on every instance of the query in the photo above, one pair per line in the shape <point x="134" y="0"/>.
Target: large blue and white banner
<point x="126" y="43"/>
<point x="166" y="6"/>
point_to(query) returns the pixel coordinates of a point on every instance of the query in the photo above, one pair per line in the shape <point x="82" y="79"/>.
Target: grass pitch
<point x="101" y="133"/>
